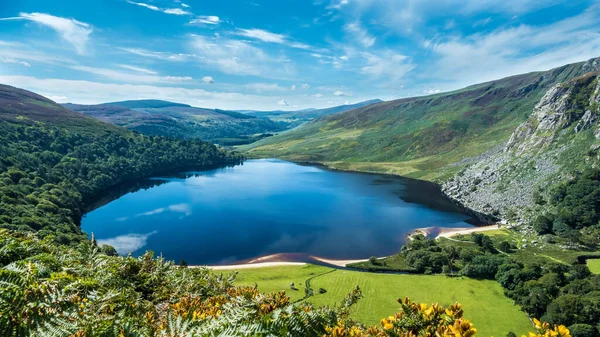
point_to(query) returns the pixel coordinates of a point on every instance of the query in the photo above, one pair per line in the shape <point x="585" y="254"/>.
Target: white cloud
<point x="360" y="34"/>
<point x="265" y="87"/>
<point x="337" y="4"/>
<point x="240" y="58"/>
<point x="138" y="69"/>
<point x="165" y="56"/>
<point x="206" y="19"/>
<point x="173" y="11"/>
<point x="386" y="64"/>
<point x="127" y="243"/>
<point x="305" y="86"/>
<point x="405" y="17"/>
<point x="262" y="35"/>
<point x="208" y="79"/>
<point x="185" y="5"/>
<point x="13" y="61"/>
<point x="24" y="52"/>
<point x="341" y="93"/>
<point x="283" y="102"/>
<point x="176" y="11"/>
<point x="318" y="95"/>
<point x="270" y="37"/>
<point x="431" y="91"/>
<point x="129" y="77"/>
<point x="519" y="49"/>
<point x="293" y="87"/>
<point x="177" y="78"/>
<point x="154" y="8"/>
<point x="91" y="92"/>
<point x="72" y="31"/>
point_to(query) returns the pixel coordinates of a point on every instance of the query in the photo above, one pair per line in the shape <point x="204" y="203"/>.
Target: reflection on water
<point x="265" y="207"/>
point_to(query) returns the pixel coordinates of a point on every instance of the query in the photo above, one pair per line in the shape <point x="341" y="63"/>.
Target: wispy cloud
<point x="138" y="69"/>
<point x="262" y="35"/>
<point x="386" y="63"/>
<point x="72" y="31"/>
<point x="165" y="56"/>
<point x="405" y="17"/>
<point x="176" y="11"/>
<point x="130" y="77"/>
<point x="265" y="87"/>
<point x="208" y="79"/>
<point x="506" y="51"/>
<point x="360" y="34"/>
<point x="270" y="37"/>
<point x="13" y="61"/>
<point x="206" y="20"/>
<point x="239" y="58"/>
<point x="341" y="93"/>
<point x="173" y="11"/>
<point x="283" y="102"/>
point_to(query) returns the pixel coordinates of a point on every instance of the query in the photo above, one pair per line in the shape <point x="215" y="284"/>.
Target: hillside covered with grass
<point x="429" y="137"/>
<point x="163" y="118"/>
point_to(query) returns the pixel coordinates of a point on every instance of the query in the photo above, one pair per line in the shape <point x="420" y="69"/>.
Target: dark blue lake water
<point x="265" y="207"/>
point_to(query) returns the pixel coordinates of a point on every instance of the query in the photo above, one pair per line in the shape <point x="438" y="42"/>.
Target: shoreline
<point x="280" y="260"/>
<point x="446" y="232"/>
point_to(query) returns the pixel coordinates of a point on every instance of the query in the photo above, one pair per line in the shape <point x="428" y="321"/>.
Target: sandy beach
<point x="440" y="232"/>
<point x="255" y="265"/>
<point x="276" y="260"/>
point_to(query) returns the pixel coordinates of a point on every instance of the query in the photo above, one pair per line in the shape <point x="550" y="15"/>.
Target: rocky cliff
<point x="561" y="136"/>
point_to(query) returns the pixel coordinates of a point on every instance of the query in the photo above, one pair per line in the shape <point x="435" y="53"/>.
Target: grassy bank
<point x="594" y="265"/>
<point x="483" y="301"/>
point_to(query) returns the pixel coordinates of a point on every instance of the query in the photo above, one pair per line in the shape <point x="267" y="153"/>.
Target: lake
<point x="267" y="206"/>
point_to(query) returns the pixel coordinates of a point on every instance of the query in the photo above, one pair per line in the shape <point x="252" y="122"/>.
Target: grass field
<point x="594" y="265"/>
<point x="483" y="301"/>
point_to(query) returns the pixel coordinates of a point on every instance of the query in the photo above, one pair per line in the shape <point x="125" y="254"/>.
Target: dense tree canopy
<point x="48" y="174"/>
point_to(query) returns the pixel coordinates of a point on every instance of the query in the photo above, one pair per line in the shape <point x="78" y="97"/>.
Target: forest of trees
<point x="558" y="293"/>
<point x="48" y="174"/>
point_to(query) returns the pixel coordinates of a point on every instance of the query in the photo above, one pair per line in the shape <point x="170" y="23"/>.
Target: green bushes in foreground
<point x="50" y="290"/>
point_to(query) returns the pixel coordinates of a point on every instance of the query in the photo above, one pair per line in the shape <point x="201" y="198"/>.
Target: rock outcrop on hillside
<point x="562" y="135"/>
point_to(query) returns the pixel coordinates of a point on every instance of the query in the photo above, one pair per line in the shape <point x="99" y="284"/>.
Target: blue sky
<point x="283" y="54"/>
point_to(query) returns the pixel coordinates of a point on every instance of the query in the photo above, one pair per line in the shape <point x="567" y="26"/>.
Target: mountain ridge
<point x="428" y="137"/>
<point x="225" y="127"/>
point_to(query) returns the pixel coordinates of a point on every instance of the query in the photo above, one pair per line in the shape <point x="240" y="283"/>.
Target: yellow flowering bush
<point x="545" y="330"/>
<point x="422" y="320"/>
<point x="413" y="320"/>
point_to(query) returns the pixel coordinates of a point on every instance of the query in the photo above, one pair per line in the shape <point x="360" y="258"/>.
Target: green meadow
<point x="483" y="301"/>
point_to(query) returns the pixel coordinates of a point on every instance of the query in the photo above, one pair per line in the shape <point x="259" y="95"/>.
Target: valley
<point x="222" y="127"/>
<point x="329" y="168"/>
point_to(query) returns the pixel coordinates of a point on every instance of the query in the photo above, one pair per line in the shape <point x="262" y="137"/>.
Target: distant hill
<point x="146" y="103"/>
<point x="431" y="137"/>
<point x="18" y="105"/>
<point x="163" y="118"/>
<point x="309" y="114"/>
<point x="155" y="117"/>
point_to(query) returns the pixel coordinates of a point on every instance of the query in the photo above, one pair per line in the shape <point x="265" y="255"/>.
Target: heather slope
<point x="430" y="137"/>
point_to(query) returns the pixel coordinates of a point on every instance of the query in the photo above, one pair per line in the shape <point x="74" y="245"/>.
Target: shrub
<point x="542" y="225"/>
<point x="582" y="330"/>
<point x="505" y="247"/>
